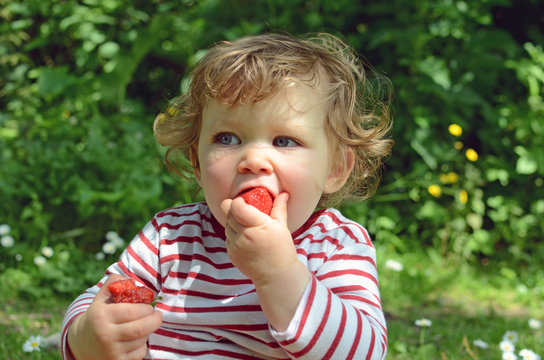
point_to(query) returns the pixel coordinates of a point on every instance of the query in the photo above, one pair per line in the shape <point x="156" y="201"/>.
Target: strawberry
<point x="258" y="197"/>
<point x="126" y="291"/>
<point x="138" y="295"/>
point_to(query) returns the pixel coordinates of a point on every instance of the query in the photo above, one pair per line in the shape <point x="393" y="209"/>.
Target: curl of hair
<point x="256" y="67"/>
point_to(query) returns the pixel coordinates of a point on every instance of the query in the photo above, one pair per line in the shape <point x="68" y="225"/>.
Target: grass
<point x="22" y="318"/>
<point x="464" y="304"/>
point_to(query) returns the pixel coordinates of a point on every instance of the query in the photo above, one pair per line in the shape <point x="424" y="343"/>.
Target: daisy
<point x="394" y="265"/>
<point x="109" y="248"/>
<point x="424" y="322"/>
<point x="118" y="241"/>
<point x="509" y="356"/>
<point x="7" y="241"/>
<point x="535" y="324"/>
<point x="39" y="260"/>
<point x="528" y="355"/>
<point x="5" y="229"/>
<point x="32" y="344"/>
<point x="110" y="235"/>
<point x="511" y="336"/>
<point x="507" y="346"/>
<point x="47" y="251"/>
<point x="481" y="344"/>
<point x="115" y="239"/>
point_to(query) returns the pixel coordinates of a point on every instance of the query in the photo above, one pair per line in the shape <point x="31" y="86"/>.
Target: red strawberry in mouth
<point x="259" y="197"/>
<point x="126" y="291"/>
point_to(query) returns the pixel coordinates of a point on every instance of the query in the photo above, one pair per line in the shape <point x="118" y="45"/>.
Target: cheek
<point x="211" y="163"/>
<point x="305" y="184"/>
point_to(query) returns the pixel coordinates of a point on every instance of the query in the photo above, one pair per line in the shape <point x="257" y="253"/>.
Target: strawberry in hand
<point x="126" y="291"/>
<point x="260" y="198"/>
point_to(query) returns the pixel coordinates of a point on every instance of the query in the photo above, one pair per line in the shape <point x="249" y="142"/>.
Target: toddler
<point x="297" y="117"/>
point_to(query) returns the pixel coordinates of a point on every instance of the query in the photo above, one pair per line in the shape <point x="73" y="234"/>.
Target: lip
<point x="247" y="188"/>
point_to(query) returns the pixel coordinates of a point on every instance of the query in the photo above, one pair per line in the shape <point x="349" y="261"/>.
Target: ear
<point x="193" y="156"/>
<point x="340" y="170"/>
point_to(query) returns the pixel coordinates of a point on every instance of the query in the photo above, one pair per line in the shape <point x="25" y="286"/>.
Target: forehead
<point x="296" y="102"/>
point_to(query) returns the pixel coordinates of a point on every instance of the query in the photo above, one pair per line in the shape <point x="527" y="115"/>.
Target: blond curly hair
<point x="256" y="67"/>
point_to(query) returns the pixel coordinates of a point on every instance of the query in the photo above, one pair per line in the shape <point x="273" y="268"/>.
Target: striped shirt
<point x="211" y="310"/>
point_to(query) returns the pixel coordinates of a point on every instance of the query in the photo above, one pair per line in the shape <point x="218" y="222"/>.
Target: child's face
<point x="279" y="143"/>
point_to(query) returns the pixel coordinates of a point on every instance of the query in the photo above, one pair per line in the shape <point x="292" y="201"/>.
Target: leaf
<point x="54" y="81"/>
<point x="526" y="163"/>
<point x="436" y="69"/>
<point x="424" y="153"/>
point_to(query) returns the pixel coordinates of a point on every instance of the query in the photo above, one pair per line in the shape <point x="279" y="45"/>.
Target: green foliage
<point x="82" y="81"/>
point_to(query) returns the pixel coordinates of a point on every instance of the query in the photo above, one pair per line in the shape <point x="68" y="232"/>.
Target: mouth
<point x="253" y="188"/>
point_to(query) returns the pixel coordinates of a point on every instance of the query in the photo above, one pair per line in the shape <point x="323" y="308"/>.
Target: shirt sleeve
<point x="138" y="261"/>
<point x="341" y="316"/>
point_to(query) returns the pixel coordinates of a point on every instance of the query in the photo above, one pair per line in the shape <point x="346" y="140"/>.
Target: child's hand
<point x="259" y="245"/>
<point x="262" y="248"/>
<point x="112" y="331"/>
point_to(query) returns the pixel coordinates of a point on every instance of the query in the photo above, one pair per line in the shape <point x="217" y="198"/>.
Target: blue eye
<point x="283" y="141"/>
<point x="227" y="139"/>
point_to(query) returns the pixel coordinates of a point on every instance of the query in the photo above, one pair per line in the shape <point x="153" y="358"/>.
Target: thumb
<point x="279" y="209"/>
<point x="104" y="293"/>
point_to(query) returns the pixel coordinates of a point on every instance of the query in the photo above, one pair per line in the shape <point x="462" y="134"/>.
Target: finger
<point x="279" y="209"/>
<point x="127" y="312"/>
<point x="104" y="293"/>
<point x="245" y="215"/>
<point x="229" y="232"/>
<point x="140" y="328"/>
<point x="225" y="207"/>
<point x="131" y="349"/>
<point x="138" y="352"/>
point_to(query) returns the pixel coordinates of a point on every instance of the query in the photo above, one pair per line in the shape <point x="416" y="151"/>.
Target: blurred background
<point x="457" y="222"/>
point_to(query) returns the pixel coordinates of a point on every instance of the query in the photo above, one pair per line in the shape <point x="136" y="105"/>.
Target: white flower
<point x="528" y="355"/>
<point x="114" y="238"/>
<point x="480" y="343"/>
<point x="100" y="255"/>
<point x="535" y="324"/>
<point x="394" y="265"/>
<point x="118" y="242"/>
<point x="509" y="356"/>
<point x="424" y="322"/>
<point x="4" y="229"/>
<point x="511" y="336"/>
<point x="32" y="344"/>
<point x="39" y="260"/>
<point x="47" y="251"/>
<point x="18" y="257"/>
<point x="7" y="241"/>
<point x="109" y="248"/>
<point x="110" y="235"/>
<point x="507" y="346"/>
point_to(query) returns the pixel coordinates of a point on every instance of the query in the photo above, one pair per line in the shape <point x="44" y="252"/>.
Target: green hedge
<point x="82" y="81"/>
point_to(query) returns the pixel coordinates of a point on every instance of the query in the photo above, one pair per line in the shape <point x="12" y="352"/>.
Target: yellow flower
<point x="463" y="196"/>
<point x="471" y="154"/>
<point x="172" y="111"/>
<point x="455" y="129"/>
<point x="449" y="178"/>
<point x="458" y="145"/>
<point x="434" y="190"/>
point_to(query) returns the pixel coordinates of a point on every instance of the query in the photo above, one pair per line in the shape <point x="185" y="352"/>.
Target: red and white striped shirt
<point x="211" y="310"/>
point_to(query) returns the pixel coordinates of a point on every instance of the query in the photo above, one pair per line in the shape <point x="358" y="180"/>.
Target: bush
<point x="82" y="81"/>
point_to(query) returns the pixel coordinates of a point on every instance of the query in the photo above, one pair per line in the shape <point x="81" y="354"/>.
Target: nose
<point x="255" y="160"/>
